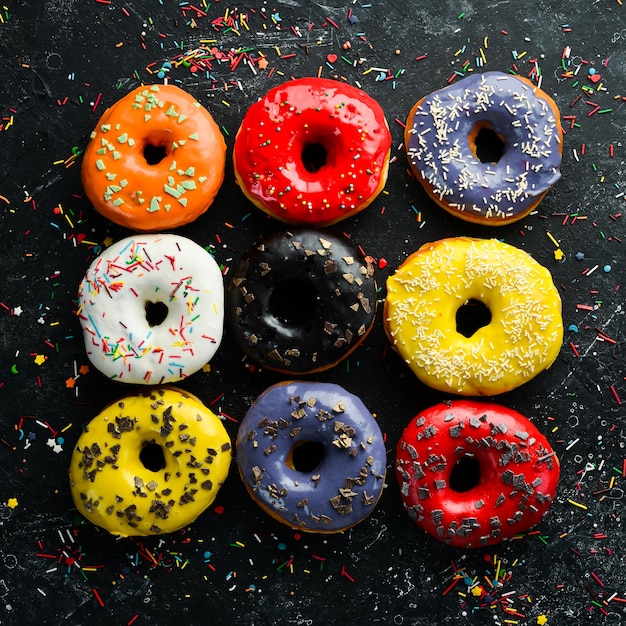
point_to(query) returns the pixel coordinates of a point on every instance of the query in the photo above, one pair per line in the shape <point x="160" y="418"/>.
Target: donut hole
<point x="305" y="456"/>
<point x="465" y="474"/>
<point x="152" y="457"/>
<point x="471" y="316"/>
<point x="293" y="302"/>
<point x="314" y="156"/>
<point x="487" y="145"/>
<point x="156" y="313"/>
<point x="154" y="154"/>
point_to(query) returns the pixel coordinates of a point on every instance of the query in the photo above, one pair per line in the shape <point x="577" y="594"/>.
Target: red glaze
<point x="313" y="124"/>
<point x="507" y="493"/>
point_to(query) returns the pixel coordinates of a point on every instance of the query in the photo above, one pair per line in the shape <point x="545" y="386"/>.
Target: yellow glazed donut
<point x="473" y="316"/>
<point x="149" y="463"/>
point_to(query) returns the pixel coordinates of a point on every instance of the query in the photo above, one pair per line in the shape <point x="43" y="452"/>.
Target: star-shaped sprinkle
<point x="54" y="445"/>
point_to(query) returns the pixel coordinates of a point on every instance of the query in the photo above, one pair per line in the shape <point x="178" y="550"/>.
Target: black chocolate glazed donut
<point x="301" y="300"/>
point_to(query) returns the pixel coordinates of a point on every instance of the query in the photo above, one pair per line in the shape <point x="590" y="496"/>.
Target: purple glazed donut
<point x="312" y="456"/>
<point x="487" y="148"/>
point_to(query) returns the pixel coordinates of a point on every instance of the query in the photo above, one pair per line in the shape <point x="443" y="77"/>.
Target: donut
<point x="151" y="309"/>
<point x="312" y="456"/>
<point x="473" y="317"/>
<point x="486" y="149"/>
<point x="472" y="474"/>
<point x="155" y="160"/>
<point x="149" y="463"/>
<point x="300" y="301"/>
<point x="312" y="151"/>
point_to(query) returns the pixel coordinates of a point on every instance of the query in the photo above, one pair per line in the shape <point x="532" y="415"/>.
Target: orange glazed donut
<point x="472" y="474"/>
<point x="155" y="161"/>
<point x="313" y="151"/>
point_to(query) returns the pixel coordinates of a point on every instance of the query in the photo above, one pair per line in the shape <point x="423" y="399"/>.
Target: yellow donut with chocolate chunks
<point x="149" y="463"/>
<point x="474" y="317"/>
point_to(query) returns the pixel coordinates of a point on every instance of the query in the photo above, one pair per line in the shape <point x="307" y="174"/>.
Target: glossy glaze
<point x="113" y="488"/>
<point x="115" y="296"/>
<point x="523" y="337"/>
<point x="339" y="492"/>
<point x="517" y="478"/>
<point x="301" y="300"/>
<point x="126" y="188"/>
<point x="349" y="126"/>
<point x="439" y="137"/>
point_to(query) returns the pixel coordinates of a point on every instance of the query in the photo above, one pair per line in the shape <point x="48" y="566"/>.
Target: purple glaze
<point x="351" y="471"/>
<point x="439" y="150"/>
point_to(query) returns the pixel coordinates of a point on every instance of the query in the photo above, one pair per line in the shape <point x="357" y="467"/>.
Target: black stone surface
<point x="62" y="62"/>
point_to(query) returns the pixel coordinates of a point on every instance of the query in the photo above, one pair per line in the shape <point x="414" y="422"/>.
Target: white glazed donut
<point x="152" y="309"/>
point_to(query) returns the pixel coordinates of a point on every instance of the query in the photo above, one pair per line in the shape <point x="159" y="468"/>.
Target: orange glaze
<point x="165" y="126"/>
<point x="313" y="151"/>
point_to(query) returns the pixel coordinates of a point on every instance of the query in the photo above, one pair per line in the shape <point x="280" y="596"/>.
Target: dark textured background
<point x="57" y="58"/>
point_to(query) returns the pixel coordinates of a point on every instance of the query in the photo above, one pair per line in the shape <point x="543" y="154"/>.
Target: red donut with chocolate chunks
<point x="472" y="474"/>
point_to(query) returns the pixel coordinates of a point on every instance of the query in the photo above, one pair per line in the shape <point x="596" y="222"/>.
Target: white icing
<point x="166" y="269"/>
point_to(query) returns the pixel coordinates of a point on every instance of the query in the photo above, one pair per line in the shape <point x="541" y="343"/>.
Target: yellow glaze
<point x="522" y="339"/>
<point x="110" y="483"/>
<point x="158" y="191"/>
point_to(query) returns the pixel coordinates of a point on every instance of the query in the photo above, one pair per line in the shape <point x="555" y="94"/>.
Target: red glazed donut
<point x="472" y="474"/>
<point x="313" y="151"/>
